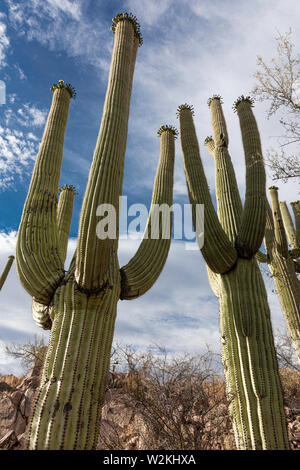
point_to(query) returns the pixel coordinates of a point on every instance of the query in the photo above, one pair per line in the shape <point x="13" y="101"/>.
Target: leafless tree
<point x="181" y="398"/>
<point x="279" y="84"/>
<point x="31" y="351"/>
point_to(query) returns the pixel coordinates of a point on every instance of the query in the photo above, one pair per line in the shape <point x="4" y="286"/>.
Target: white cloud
<point x="21" y="73"/>
<point x="30" y="116"/>
<point x="4" y="42"/>
<point x="17" y="154"/>
<point x="61" y="26"/>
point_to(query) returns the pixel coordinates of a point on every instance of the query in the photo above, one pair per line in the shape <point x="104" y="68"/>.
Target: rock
<point x="8" y="414"/>
<point x="8" y="441"/>
<point x="16" y="397"/>
<point x="5" y="387"/>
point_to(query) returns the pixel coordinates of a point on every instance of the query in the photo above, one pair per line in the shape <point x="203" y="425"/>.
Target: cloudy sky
<point x="192" y="49"/>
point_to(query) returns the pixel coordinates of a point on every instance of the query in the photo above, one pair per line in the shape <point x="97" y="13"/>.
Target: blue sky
<point x="192" y="49"/>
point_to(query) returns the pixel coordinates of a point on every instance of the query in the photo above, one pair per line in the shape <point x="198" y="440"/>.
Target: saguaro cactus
<point x="6" y="270"/>
<point x="83" y="300"/>
<point x="282" y="265"/>
<point x="231" y="240"/>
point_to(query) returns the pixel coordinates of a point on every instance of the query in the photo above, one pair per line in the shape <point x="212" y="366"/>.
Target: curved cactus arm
<point x="42" y="314"/>
<point x="106" y="175"/>
<point x="218" y="251"/>
<point x="296" y="209"/>
<point x="228" y="198"/>
<point x="64" y="218"/>
<point x="146" y="265"/>
<point x="252" y="227"/>
<point x="6" y="270"/>
<point x="279" y="232"/>
<point x="39" y="264"/>
<point x="288" y="225"/>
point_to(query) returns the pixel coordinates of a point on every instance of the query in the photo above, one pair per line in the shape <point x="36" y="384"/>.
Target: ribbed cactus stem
<point x="288" y="225"/>
<point x="67" y="409"/>
<point x="296" y="209"/>
<point x="251" y="371"/>
<point x="39" y="264"/>
<point x="280" y="236"/>
<point x="286" y="282"/>
<point x="253" y="221"/>
<point x="218" y="251"/>
<point x="64" y="218"/>
<point x="142" y="270"/>
<point x="94" y="254"/>
<point x="6" y="270"/>
<point x="228" y="198"/>
<point x="218" y="122"/>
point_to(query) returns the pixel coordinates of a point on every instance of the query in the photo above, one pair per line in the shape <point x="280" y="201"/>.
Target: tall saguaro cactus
<point x="83" y="300"/>
<point x="281" y="264"/>
<point x="6" y="270"/>
<point x="231" y="240"/>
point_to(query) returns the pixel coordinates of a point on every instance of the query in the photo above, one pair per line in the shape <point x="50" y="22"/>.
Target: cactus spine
<point x="231" y="240"/>
<point x="6" y="270"/>
<point x="83" y="300"/>
<point x="282" y="265"/>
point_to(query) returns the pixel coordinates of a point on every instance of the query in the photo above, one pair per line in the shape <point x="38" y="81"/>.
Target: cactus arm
<point x="218" y="251"/>
<point x="296" y="209"/>
<point x="6" y="270"/>
<point x="64" y="218"/>
<point x="253" y="221"/>
<point x="280" y="236"/>
<point x="228" y="198"/>
<point x="39" y="264"/>
<point x="288" y="225"/>
<point x="144" y="268"/>
<point x="106" y="174"/>
<point x="210" y="145"/>
<point x="42" y="313"/>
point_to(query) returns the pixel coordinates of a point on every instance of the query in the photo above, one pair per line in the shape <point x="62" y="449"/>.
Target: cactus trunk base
<point x="67" y="409"/>
<point x="253" y="384"/>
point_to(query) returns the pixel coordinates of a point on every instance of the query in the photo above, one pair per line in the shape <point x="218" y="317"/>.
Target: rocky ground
<point x="124" y="425"/>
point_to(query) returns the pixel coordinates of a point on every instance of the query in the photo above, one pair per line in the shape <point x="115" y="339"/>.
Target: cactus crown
<point x="67" y="187"/>
<point x="214" y="97"/>
<point x="209" y="138"/>
<point x="133" y="20"/>
<point x="167" y="128"/>
<point x="190" y="107"/>
<point x="67" y="86"/>
<point x="241" y="99"/>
